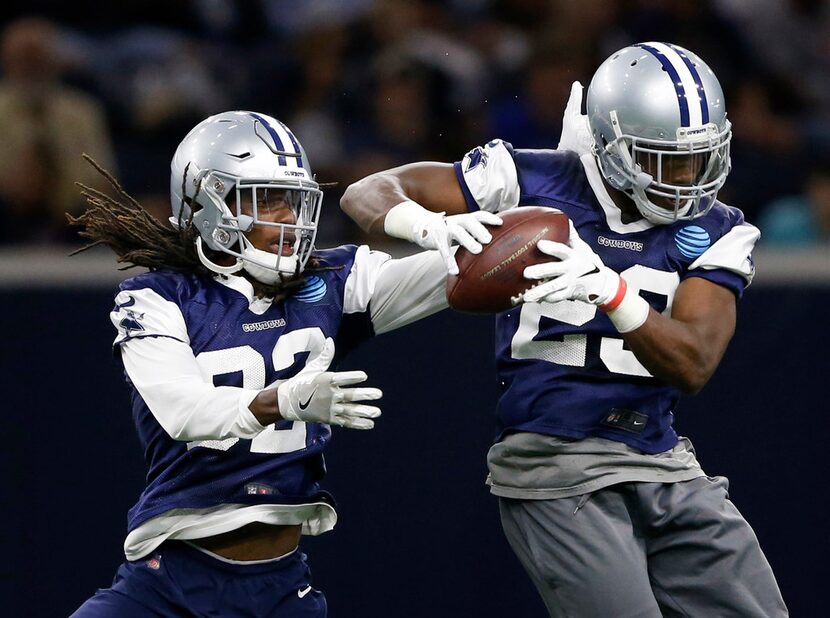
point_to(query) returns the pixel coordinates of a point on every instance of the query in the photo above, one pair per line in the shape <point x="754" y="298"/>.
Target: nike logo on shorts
<point x="303" y="592"/>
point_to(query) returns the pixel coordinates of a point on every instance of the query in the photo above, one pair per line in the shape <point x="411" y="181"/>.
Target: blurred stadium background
<point x="369" y="84"/>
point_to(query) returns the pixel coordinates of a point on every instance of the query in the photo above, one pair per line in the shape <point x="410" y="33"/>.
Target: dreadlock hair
<point x="139" y="239"/>
<point x="136" y="236"/>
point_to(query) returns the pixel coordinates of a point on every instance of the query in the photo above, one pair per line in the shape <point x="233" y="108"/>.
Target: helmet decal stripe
<point x="704" y="106"/>
<point x="684" y="83"/>
<point x="294" y="143"/>
<point x="277" y="141"/>
<point x="676" y="81"/>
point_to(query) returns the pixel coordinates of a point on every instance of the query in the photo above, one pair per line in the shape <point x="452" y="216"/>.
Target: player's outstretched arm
<point x="319" y="398"/>
<point x="324" y="398"/>
<point x="421" y="203"/>
<point x="432" y="185"/>
<point x="315" y="395"/>
<point x="684" y="350"/>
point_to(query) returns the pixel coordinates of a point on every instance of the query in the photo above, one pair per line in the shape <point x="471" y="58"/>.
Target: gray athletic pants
<point x="644" y="550"/>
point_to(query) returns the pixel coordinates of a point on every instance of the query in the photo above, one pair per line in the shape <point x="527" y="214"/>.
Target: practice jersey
<point x="563" y="368"/>
<point x="243" y="345"/>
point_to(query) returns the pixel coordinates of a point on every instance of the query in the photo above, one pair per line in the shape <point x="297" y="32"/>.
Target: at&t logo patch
<point x="313" y="290"/>
<point x="692" y="241"/>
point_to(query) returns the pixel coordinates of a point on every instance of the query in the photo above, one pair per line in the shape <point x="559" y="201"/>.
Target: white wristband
<point x="405" y="219"/>
<point x="631" y="313"/>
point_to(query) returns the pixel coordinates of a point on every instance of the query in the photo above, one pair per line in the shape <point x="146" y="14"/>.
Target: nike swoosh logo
<point x="303" y="406"/>
<point x="639" y="423"/>
<point x="126" y="304"/>
<point x="303" y="592"/>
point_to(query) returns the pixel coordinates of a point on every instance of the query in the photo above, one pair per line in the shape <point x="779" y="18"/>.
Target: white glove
<point x="580" y="275"/>
<point x="576" y="133"/>
<point x="432" y="230"/>
<point x="314" y="397"/>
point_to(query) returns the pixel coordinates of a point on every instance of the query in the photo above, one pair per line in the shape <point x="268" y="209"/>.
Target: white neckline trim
<point x="613" y="215"/>
<point x="243" y="286"/>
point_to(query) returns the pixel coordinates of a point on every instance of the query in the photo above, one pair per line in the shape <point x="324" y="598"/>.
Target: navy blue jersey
<point x="238" y="344"/>
<point x="563" y="368"/>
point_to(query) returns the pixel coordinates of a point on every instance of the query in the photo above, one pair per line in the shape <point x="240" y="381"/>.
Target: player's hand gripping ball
<point x="493" y="280"/>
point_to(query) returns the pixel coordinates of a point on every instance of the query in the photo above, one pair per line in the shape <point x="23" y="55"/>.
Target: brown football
<point x="492" y="281"/>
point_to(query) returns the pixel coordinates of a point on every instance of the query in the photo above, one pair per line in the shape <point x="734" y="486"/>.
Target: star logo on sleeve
<point x="474" y="158"/>
<point x="131" y="322"/>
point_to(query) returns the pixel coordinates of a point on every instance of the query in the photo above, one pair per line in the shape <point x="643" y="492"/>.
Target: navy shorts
<point x="178" y="580"/>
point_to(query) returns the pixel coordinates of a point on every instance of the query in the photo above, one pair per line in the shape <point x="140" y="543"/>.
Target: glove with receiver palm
<point x="433" y="230"/>
<point x="315" y="396"/>
<point x="580" y="275"/>
<point x="576" y="133"/>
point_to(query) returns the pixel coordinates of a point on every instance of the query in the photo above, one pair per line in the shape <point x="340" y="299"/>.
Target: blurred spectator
<point x="532" y="116"/>
<point x="767" y="148"/>
<point x="792" y="38"/>
<point x="715" y="36"/>
<point x="158" y="83"/>
<point x="45" y="127"/>
<point x="317" y="101"/>
<point x="403" y="97"/>
<point x="290" y="17"/>
<point x="801" y="220"/>
<point x="369" y="84"/>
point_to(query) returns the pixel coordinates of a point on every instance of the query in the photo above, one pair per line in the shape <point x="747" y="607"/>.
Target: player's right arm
<point x="155" y="349"/>
<point x="189" y="407"/>
<point x="422" y="203"/>
<point x="431" y="185"/>
<point x="403" y="201"/>
<point x="168" y="378"/>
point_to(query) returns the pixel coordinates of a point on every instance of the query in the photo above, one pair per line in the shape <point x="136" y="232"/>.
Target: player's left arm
<point x="395" y="292"/>
<point x="685" y="349"/>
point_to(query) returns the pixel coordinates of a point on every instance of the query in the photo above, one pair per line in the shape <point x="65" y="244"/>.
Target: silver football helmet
<point x="658" y="119"/>
<point x="222" y="174"/>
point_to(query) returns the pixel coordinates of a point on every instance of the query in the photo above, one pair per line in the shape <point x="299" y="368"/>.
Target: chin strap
<point x="655" y="214"/>
<point x="265" y="267"/>
<point x="213" y="266"/>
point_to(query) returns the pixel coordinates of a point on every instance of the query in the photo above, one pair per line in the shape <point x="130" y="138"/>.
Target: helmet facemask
<point x="294" y="242"/>
<point x="249" y="204"/>
<point x="647" y="170"/>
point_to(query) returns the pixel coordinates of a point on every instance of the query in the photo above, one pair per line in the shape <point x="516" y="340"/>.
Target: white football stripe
<point x="287" y="144"/>
<point x="686" y="79"/>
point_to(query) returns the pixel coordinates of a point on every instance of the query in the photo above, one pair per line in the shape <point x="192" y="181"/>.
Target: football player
<point x="227" y="343"/>
<point x="606" y="507"/>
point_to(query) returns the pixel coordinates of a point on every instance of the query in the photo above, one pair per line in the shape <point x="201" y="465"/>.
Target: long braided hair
<point x="139" y="239"/>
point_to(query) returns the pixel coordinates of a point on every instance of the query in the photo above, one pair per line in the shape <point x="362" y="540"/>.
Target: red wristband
<point x="618" y="297"/>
